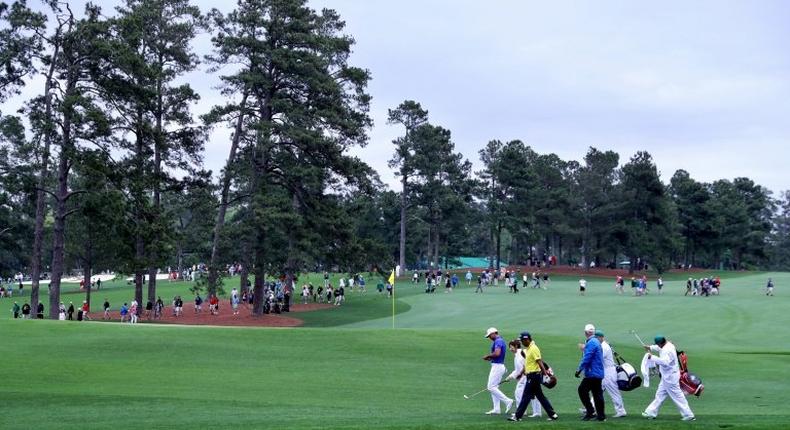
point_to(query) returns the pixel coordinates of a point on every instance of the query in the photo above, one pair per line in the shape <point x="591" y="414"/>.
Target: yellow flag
<point x="391" y="280"/>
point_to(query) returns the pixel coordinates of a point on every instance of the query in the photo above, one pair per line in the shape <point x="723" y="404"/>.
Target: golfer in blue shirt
<point x="592" y="366"/>
<point x="497" y="359"/>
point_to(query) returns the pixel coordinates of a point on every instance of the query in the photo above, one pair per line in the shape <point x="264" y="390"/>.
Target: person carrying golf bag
<point x="665" y="356"/>
<point x="535" y="369"/>
<point x="609" y="383"/>
<point x="519" y="358"/>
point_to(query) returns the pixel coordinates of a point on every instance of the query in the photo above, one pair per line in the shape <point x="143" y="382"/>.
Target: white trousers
<point x="609" y="385"/>
<point x="674" y="392"/>
<point x="494" y="378"/>
<point x="535" y="404"/>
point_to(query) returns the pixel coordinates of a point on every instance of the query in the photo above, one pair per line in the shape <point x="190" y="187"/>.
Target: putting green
<point x="362" y="374"/>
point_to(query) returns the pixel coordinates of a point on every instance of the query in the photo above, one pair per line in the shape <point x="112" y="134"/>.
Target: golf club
<point x="469" y="396"/>
<point x="472" y="395"/>
<point x="633" y="332"/>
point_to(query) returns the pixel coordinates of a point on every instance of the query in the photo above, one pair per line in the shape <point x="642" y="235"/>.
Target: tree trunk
<point x="584" y="253"/>
<point x="260" y="167"/>
<point x="491" y="247"/>
<point x="499" y="245"/>
<point x="403" y="200"/>
<point x="139" y="272"/>
<point x="87" y="272"/>
<point x="547" y="247"/>
<point x="512" y="253"/>
<point x="436" y="247"/>
<point x="433" y="234"/>
<point x="152" y="272"/>
<point x="153" y="251"/>
<point x="58" y="236"/>
<point x="139" y="245"/>
<point x="244" y="274"/>
<point x="257" y="304"/>
<point x="139" y="254"/>
<point x="291" y="264"/>
<point x="223" y="203"/>
<point x="38" y="231"/>
<point x="259" y="267"/>
<point x="62" y="195"/>
<point x="86" y="278"/>
<point x="559" y="250"/>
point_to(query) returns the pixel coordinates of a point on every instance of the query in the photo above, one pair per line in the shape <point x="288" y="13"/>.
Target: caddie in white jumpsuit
<point x="610" y="376"/>
<point x="518" y="374"/>
<point x="664" y="355"/>
<point x="497" y="359"/>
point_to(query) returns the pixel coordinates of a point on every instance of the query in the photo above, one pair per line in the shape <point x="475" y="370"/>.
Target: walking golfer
<point x="592" y="366"/>
<point x="664" y="355"/>
<point x="534" y="369"/>
<point x="519" y="358"/>
<point x="610" y="376"/>
<point x="497" y="359"/>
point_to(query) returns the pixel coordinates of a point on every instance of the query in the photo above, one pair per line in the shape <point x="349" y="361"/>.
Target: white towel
<point x="647" y="364"/>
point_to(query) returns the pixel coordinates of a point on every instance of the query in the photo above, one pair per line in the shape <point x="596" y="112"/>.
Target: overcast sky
<point x="702" y="85"/>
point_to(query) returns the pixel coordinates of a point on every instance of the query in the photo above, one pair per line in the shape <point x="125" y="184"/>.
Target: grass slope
<point x="360" y="374"/>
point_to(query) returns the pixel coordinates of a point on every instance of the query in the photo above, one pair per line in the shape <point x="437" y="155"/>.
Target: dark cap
<point x="525" y="335"/>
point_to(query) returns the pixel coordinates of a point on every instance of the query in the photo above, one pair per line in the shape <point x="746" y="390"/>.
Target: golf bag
<point x="549" y="380"/>
<point x="627" y="377"/>
<point x="690" y="383"/>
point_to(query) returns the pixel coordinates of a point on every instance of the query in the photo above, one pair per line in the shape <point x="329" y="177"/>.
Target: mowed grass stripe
<point x="106" y="375"/>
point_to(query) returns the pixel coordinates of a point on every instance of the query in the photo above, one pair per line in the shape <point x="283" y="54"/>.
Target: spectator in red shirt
<point x="85" y="309"/>
<point x="214" y="304"/>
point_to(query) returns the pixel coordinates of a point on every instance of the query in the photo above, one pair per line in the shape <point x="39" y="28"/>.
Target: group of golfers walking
<point x="597" y="369"/>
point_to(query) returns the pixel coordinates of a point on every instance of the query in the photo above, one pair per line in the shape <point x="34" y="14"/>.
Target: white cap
<point x="589" y="328"/>
<point x="490" y="331"/>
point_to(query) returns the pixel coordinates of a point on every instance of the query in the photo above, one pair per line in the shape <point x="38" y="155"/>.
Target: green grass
<point x="356" y="372"/>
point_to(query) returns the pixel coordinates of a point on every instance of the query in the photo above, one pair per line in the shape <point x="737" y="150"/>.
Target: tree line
<point x="103" y="169"/>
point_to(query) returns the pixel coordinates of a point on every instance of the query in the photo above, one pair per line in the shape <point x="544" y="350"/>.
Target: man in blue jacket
<point x="592" y="366"/>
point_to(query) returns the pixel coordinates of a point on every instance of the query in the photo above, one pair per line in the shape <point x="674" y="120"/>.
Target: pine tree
<point x="780" y="236"/>
<point x="79" y="119"/>
<point x="646" y="214"/>
<point x="595" y="194"/>
<point x="20" y="42"/>
<point x="307" y="107"/>
<point x="27" y="51"/>
<point x="148" y="52"/>
<point x="410" y="115"/>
